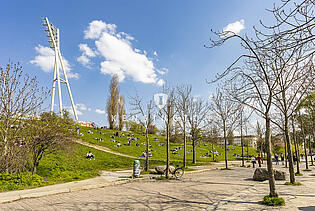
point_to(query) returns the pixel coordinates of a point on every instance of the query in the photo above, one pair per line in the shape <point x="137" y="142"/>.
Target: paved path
<point x="207" y="190"/>
<point x="102" y="148"/>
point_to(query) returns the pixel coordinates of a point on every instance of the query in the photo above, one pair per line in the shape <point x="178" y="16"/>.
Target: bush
<point x="298" y="174"/>
<point x="294" y="184"/>
<point x="273" y="201"/>
<point x="164" y="178"/>
<point x="20" y="181"/>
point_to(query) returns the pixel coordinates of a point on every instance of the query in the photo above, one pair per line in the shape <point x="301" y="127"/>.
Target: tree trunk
<point x="213" y="151"/>
<point x="288" y="142"/>
<point x="247" y="149"/>
<point x="194" y="150"/>
<point x="272" y="184"/>
<point x="297" y="153"/>
<point x="243" y="162"/>
<point x="184" y="158"/>
<point x="147" y="152"/>
<point x="225" y="148"/>
<point x="310" y="151"/>
<point x="35" y="169"/>
<point x="305" y="146"/>
<point x="242" y="144"/>
<point x="167" y="150"/>
<point x="285" y="155"/>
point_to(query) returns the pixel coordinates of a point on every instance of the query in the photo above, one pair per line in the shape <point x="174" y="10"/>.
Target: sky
<point x="146" y="43"/>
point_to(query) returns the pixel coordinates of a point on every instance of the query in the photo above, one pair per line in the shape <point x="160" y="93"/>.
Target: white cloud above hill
<point x="118" y="53"/>
<point x="45" y="61"/>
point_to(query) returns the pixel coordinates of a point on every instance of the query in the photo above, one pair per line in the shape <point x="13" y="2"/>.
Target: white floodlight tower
<point x="53" y="38"/>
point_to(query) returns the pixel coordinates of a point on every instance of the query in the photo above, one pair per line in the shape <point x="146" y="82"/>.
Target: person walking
<point x="259" y="160"/>
<point x="277" y="159"/>
<point x="294" y="159"/>
<point x="282" y="158"/>
<point x="253" y="160"/>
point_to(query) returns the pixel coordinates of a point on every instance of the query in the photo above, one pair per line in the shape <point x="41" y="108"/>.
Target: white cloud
<point x="119" y="56"/>
<point x="69" y="109"/>
<point x="86" y="53"/>
<point x="84" y="60"/>
<point x="155" y="53"/>
<point x="81" y="106"/>
<point x="162" y="71"/>
<point x="46" y="59"/>
<point x="96" y="27"/>
<point x="160" y="82"/>
<point x="235" y="27"/>
<point x="86" y="50"/>
<point x="99" y="111"/>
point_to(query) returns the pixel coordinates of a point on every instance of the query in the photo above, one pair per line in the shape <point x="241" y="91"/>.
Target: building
<point x="251" y="139"/>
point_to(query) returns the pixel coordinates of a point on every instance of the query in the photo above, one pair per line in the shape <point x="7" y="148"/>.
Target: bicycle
<point x="178" y="172"/>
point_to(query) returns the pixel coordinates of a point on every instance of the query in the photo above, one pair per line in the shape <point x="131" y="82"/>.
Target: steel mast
<point x="53" y="38"/>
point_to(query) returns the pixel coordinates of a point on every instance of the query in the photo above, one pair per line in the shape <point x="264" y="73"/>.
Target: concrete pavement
<point x="209" y="188"/>
<point x="105" y="179"/>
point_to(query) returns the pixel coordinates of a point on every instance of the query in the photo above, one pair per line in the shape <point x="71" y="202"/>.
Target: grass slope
<point x="66" y="167"/>
<point x="158" y="152"/>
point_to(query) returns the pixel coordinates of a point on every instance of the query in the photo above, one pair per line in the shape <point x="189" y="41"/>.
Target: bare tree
<point x="146" y="119"/>
<point x="121" y="112"/>
<point x="20" y="97"/>
<point x="254" y="85"/>
<point x="225" y="115"/>
<point x="182" y="102"/>
<point x="294" y="22"/>
<point x="197" y="113"/>
<point x="244" y="117"/>
<point x="46" y="136"/>
<point x="230" y="137"/>
<point x="261" y="145"/>
<point x="167" y="113"/>
<point x="296" y="145"/>
<point x="213" y="134"/>
<point x="113" y="102"/>
<point x="308" y="106"/>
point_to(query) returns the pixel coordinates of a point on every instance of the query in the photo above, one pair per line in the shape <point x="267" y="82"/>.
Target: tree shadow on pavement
<point x="245" y="202"/>
<point x="309" y="208"/>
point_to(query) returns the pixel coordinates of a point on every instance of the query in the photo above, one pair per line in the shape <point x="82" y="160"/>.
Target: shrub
<point x="294" y="184"/>
<point x="20" y="181"/>
<point x="273" y="201"/>
<point x="164" y="178"/>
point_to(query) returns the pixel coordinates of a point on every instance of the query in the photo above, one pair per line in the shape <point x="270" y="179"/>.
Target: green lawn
<point x="71" y="166"/>
<point x="66" y="167"/>
<point x="158" y="152"/>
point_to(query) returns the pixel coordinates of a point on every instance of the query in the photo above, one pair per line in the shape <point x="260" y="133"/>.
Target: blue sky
<point x="145" y="42"/>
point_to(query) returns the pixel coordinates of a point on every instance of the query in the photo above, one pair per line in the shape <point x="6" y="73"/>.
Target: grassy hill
<point x="71" y="166"/>
<point x="158" y="149"/>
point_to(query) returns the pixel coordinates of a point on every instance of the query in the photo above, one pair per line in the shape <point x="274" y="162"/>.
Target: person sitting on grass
<point x="90" y="156"/>
<point x="144" y="154"/>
